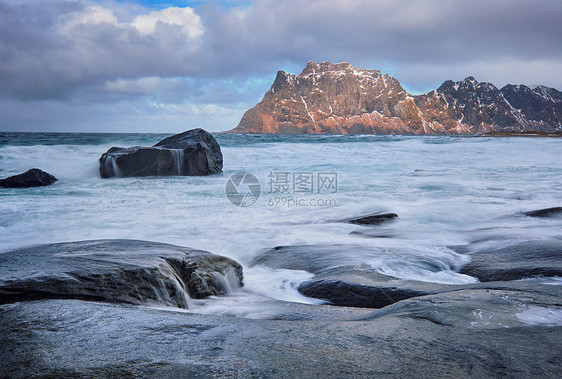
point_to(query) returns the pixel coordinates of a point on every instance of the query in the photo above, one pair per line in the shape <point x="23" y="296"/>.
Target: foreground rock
<point x="30" y="178"/>
<point x="328" y="98"/>
<point x="362" y="286"/>
<point x="191" y="153"/>
<point x="119" y="271"/>
<point x="499" y="329"/>
<point x="473" y="333"/>
<point x="518" y="261"/>
<point x="342" y="279"/>
<point x="319" y="259"/>
<point x="348" y="294"/>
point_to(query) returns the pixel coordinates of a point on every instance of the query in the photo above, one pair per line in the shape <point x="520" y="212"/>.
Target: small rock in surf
<point x="30" y="178"/>
<point x="375" y="219"/>
<point x="545" y="213"/>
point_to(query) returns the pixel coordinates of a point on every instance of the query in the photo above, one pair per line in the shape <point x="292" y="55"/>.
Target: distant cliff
<point x="328" y="98"/>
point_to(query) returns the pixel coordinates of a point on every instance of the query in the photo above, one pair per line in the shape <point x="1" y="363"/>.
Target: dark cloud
<point x="225" y="54"/>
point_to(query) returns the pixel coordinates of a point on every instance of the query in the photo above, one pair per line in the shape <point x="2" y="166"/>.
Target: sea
<point x="280" y="190"/>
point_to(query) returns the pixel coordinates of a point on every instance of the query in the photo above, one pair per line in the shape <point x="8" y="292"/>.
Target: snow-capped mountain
<point x="328" y="98"/>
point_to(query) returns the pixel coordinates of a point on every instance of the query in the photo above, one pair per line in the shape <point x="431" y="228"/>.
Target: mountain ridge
<point x="337" y="98"/>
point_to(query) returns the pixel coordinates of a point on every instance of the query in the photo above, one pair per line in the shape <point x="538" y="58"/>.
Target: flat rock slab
<point x="123" y="271"/>
<point x="506" y="305"/>
<point x="191" y="153"/>
<point x="475" y="333"/>
<point x="31" y="178"/>
<point x="518" y="261"/>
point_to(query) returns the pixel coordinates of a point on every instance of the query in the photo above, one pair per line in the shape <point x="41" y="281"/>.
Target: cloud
<point x="94" y="15"/>
<point x="141" y="86"/>
<point x="227" y="53"/>
<point x="185" y="18"/>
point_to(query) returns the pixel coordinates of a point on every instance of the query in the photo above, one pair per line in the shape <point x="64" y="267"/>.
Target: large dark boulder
<point x="116" y="271"/>
<point x="30" y="178"/>
<point x="192" y="153"/>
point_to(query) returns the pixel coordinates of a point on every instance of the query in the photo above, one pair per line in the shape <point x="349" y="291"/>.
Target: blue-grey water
<point x="446" y="190"/>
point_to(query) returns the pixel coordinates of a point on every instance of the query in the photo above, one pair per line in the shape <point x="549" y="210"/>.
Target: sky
<point x="167" y="66"/>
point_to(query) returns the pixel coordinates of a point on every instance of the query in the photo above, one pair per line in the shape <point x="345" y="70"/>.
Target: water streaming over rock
<point x="177" y="155"/>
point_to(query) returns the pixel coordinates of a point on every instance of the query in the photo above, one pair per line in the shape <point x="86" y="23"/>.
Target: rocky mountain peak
<point x="313" y="67"/>
<point x="485" y="86"/>
<point x="337" y="98"/>
<point x="282" y="79"/>
<point x="551" y="94"/>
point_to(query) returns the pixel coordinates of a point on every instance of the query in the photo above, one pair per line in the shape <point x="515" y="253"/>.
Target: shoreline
<point x="230" y="132"/>
<point x="521" y="134"/>
<point x="491" y="134"/>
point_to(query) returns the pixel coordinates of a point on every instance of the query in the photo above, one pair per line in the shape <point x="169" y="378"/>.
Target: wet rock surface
<point x="361" y="286"/>
<point x="518" y="261"/>
<point x="345" y="285"/>
<point x="347" y="294"/>
<point x="119" y="271"/>
<point x="31" y="178"/>
<point x="491" y="329"/>
<point x="546" y="213"/>
<point x="476" y="333"/>
<point x="191" y="153"/>
<point x="358" y="285"/>
<point x="304" y="257"/>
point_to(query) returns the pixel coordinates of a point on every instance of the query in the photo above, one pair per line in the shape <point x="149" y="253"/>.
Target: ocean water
<point x="446" y="190"/>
